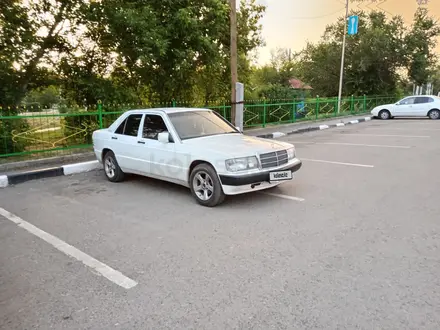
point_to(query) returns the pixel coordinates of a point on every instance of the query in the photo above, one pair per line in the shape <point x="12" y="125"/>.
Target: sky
<point x="291" y="23"/>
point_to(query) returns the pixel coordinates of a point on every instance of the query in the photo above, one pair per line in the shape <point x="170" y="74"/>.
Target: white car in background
<point x="196" y="148"/>
<point x="411" y="106"/>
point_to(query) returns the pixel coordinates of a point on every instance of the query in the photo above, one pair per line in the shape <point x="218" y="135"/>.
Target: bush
<point x="8" y="128"/>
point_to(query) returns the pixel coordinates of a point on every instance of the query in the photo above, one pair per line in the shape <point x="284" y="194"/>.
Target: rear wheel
<point x="384" y="114"/>
<point x="111" y="168"/>
<point x="434" y="114"/>
<point x="205" y="186"/>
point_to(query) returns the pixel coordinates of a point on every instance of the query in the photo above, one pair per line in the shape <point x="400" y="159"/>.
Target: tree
<point x="174" y="48"/>
<point x="421" y="42"/>
<point x="273" y="80"/>
<point x="32" y="33"/>
<point x="373" y="60"/>
<point x="44" y="97"/>
<point x="435" y="79"/>
<point x="93" y="76"/>
<point x="159" y="43"/>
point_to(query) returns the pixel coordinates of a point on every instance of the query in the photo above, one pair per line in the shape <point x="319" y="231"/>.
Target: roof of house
<point x="298" y="84"/>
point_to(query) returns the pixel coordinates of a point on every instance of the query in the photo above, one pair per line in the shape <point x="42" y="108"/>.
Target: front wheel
<point x="111" y="168"/>
<point x="205" y="186"/>
<point x="384" y="114"/>
<point x="434" y="114"/>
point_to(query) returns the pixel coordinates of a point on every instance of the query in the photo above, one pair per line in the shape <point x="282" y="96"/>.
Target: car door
<point x="124" y="142"/>
<point x="404" y="108"/>
<point x="158" y="159"/>
<point x="422" y="106"/>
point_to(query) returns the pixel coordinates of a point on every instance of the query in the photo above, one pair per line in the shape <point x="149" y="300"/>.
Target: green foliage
<point x="30" y="33"/>
<point x="174" y="49"/>
<point x="8" y="144"/>
<point x="436" y="79"/>
<point x="43" y="98"/>
<point x="373" y="57"/>
<point x="378" y="60"/>
<point x="420" y="42"/>
<point x="278" y="92"/>
<point x="130" y="51"/>
<point x="86" y="80"/>
<point x="273" y="81"/>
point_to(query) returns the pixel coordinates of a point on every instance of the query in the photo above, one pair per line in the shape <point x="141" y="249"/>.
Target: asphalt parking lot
<point x="351" y="243"/>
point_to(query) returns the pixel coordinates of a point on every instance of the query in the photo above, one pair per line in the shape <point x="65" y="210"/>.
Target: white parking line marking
<point x="364" y="145"/>
<point x="336" y="163"/>
<point x="106" y="271"/>
<point x="353" y="144"/>
<point x="292" y="198"/>
<point x="386" y="135"/>
<point x="405" y="128"/>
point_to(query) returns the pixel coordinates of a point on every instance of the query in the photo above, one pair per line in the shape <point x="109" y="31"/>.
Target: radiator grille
<point x="274" y="159"/>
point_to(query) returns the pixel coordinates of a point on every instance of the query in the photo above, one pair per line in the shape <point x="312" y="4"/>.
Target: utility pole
<point x="234" y="74"/>
<point x="341" y="76"/>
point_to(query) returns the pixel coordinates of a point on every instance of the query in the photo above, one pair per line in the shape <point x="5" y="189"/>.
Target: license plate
<point x="280" y="176"/>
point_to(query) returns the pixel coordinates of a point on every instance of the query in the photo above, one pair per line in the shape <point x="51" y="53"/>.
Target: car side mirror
<point x="163" y="137"/>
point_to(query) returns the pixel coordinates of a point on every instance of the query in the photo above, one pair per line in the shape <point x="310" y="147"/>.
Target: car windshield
<point x="194" y="124"/>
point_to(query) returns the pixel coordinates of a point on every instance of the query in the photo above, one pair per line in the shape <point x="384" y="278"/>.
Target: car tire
<point x="384" y="114"/>
<point x="206" y="186"/>
<point x="434" y="114"/>
<point x="111" y="168"/>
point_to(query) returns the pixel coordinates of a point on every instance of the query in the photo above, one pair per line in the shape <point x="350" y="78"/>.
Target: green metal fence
<point x="32" y="132"/>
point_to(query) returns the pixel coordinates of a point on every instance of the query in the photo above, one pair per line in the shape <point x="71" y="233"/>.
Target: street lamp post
<point x="341" y="75"/>
<point x="234" y="74"/>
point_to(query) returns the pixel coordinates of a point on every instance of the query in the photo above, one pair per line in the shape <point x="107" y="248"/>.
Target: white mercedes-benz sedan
<point x="196" y="148"/>
<point x="411" y="106"/>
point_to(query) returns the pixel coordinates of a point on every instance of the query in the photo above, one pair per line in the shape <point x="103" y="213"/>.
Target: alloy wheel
<point x="110" y="167"/>
<point x="203" y="186"/>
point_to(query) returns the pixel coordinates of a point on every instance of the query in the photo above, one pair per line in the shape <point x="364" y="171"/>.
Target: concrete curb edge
<point x="10" y="179"/>
<point x="276" y="135"/>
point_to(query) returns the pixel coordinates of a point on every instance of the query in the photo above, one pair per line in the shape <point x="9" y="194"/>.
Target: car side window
<point x="120" y="129"/>
<point x="409" y="100"/>
<point x="153" y="125"/>
<point x="130" y="126"/>
<point x="423" y="99"/>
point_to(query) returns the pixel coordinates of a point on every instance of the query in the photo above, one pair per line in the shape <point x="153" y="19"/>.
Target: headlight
<point x="241" y="164"/>
<point x="290" y="153"/>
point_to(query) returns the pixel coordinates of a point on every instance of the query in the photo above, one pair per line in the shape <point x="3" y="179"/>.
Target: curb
<point x="277" y="135"/>
<point x="10" y="179"/>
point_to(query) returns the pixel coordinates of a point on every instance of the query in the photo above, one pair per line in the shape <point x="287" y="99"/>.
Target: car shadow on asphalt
<point x="174" y="190"/>
<point x="409" y="119"/>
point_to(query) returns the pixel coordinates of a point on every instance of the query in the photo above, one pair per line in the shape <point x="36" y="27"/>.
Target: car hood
<point x="384" y="106"/>
<point x="237" y="144"/>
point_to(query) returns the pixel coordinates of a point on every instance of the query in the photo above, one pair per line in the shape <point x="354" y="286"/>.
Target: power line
<point x="316" y="17"/>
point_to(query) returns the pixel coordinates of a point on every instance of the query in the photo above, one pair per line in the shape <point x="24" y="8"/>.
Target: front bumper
<point x="263" y="176"/>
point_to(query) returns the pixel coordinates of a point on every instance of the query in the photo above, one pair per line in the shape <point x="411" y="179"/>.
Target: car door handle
<point x="114" y="138"/>
<point x="141" y="142"/>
